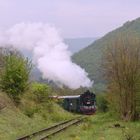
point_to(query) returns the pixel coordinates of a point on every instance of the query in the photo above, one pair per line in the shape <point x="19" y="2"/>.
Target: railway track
<point x="50" y="131"/>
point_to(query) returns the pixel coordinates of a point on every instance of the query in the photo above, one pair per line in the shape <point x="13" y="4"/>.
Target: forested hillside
<point x="91" y="58"/>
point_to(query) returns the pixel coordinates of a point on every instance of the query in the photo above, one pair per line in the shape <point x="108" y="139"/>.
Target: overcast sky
<point x="74" y="18"/>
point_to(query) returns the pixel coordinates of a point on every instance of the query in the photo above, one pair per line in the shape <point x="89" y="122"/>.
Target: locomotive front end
<point x="88" y="103"/>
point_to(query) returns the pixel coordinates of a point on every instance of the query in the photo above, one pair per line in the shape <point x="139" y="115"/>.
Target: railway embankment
<point x="28" y="117"/>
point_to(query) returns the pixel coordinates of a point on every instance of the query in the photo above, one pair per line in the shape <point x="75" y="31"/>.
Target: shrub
<point x="15" y="76"/>
<point x="41" y="92"/>
<point x="102" y="103"/>
<point x="30" y="112"/>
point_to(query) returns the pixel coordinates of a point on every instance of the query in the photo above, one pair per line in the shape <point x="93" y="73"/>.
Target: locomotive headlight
<point x="88" y="103"/>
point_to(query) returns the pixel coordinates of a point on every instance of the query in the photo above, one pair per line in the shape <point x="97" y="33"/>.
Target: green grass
<point x="101" y="127"/>
<point x="14" y="122"/>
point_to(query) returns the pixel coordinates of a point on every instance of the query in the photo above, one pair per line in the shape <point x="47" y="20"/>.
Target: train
<point x="83" y="104"/>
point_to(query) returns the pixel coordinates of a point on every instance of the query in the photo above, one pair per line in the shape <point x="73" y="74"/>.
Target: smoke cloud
<point x="50" y="53"/>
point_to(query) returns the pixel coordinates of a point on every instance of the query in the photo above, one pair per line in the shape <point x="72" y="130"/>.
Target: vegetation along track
<point x="50" y="131"/>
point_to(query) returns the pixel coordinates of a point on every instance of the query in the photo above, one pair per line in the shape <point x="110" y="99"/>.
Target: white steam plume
<point x="50" y="54"/>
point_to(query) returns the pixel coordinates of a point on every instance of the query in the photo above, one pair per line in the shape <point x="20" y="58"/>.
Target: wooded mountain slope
<point x="91" y="57"/>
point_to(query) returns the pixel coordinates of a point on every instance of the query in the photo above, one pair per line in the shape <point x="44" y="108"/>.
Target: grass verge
<point x="101" y="127"/>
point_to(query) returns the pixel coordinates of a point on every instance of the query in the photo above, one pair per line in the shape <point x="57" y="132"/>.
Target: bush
<point x="15" y="75"/>
<point x="29" y="108"/>
<point x="30" y="111"/>
<point x="102" y="103"/>
<point x="41" y="92"/>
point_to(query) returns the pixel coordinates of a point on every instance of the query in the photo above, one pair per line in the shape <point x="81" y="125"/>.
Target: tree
<point x="15" y="75"/>
<point x="122" y="70"/>
<point x="3" y="52"/>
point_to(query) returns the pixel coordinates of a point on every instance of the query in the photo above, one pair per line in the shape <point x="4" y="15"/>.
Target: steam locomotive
<point x="84" y="103"/>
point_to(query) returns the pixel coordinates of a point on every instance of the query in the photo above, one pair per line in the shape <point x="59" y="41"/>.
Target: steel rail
<point x="61" y="129"/>
<point x="69" y="122"/>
